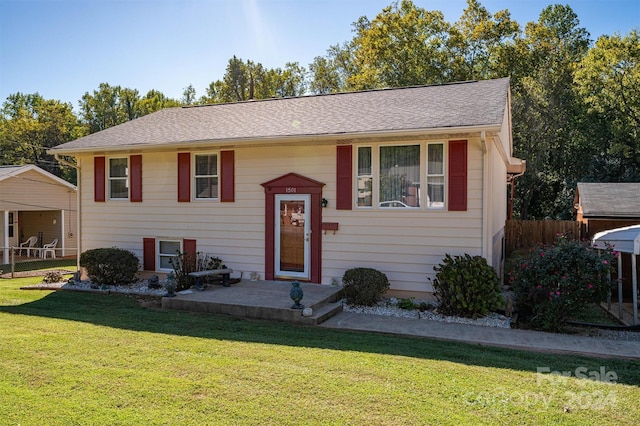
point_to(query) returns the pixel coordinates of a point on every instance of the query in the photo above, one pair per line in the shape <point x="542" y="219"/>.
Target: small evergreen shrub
<point x="466" y="286"/>
<point x="52" y="277"/>
<point x="557" y="281"/>
<point x="408" y="304"/>
<point x="110" y="266"/>
<point x="364" y="286"/>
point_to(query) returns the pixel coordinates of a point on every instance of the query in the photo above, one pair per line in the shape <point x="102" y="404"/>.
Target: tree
<point x="30" y="124"/>
<point x="332" y="73"/>
<point x="188" y="95"/>
<point x="402" y="46"/>
<point x="249" y="80"/>
<point x="107" y="107"/>
<point x="476" y="41"/>
<point x="608" y="78"/>
<point x="326" y="77"/>
<point x="155" y="101"/>
<point x="547" y="113"/>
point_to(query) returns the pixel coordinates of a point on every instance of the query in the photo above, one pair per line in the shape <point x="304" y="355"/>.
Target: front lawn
<point x="78" y="358"/>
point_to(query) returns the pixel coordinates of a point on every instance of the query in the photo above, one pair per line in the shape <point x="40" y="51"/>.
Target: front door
<point x="292" y="235"/>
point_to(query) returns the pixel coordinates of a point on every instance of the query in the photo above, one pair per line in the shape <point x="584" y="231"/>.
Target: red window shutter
<point x="136" y="178"/>
<point x="149" y="254"/>
<point x="99" y="179"/>
<point x="227" y="176"/>
<point x="344" y="173"/>
<point x="458" y="175"/>
<point x="184" y="177"/>
<point x="189" y="250"/>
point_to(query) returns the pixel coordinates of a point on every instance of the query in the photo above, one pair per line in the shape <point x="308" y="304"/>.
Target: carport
<point x="625" y="240"/>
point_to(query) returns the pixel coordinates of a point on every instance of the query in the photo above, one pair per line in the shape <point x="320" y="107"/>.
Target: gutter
<point x="487" y="254"/>
<point x="78" y="205"/>
<point x="511" y="180"/>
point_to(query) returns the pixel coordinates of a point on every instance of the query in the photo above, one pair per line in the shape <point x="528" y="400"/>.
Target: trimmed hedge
<point x="110" y="266"/>
<point x="364" y="286"/>
<point x="466" y="286"/>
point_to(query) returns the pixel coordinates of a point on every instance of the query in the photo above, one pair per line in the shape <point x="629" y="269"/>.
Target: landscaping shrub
<point x="110" y="266"/>
<point x="185" y="263"/>
<point x="466" y="286"/>
<point x="52" y="277"/>
<point x="364" y="286"/>
<point x="557" y="281"/>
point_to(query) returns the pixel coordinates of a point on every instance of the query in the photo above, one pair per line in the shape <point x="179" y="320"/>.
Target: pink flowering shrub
<point x="557" y="281"/>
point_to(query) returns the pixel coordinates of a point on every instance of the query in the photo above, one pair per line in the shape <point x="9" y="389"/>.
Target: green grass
<point x="40" y="265"/>
<point x="88" y="359"/>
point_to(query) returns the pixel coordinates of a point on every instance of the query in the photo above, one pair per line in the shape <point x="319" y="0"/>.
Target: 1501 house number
<point x="291" y="190"/>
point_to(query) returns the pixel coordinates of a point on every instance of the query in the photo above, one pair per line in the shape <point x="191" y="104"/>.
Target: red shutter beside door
<point x="227" y="176"/>
<point x="184" y="177"/>
<point x="344" y="172"/>
<point x="136" y="178"/>
<point x="99" y="179"/>
<point x="458" y="175"/>
<point x="149" y="254"/>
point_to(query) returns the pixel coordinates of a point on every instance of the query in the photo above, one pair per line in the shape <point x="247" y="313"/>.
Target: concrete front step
<point x="323" y="313"/>
<point x="261" y="300"/>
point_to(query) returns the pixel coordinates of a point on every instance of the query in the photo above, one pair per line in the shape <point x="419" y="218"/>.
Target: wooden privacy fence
<point x="524" y="234"/>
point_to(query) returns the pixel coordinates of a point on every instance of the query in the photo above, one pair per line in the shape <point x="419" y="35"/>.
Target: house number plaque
<point x="291" y="190"/>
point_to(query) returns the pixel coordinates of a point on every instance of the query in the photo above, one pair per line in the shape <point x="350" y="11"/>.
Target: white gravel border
<point x="388" y="307"/>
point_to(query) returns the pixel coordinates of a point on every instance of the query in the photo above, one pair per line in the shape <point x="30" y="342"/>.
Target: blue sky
<point x="64" y="48"/>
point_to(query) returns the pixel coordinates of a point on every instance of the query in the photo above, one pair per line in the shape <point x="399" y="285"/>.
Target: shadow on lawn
<point x="125" y="312"/>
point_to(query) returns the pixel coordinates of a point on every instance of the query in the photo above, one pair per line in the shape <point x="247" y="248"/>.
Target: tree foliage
<point x="29" y="125"/>
<point x="248" y="80"/>
<point x="109" y="106"/>
<point x="608" y="79"/>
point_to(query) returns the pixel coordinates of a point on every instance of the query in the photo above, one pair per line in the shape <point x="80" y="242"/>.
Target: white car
<point x="392" y="204"/>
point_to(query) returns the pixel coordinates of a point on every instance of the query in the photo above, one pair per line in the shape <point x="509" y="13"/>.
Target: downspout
<point x="511" y="180"/>
<point x="486" y="253"/>
<point x="78" y="206"/>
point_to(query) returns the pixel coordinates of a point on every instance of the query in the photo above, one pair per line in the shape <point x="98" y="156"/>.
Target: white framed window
<point x="206" y="178"/>
<point x="118" y="178"/>
<point x="364" y="178"/>
<point x="167" y="251"/>
<point x="401" y="176"/>
<point x="435" y="176"/>
<point x="399" y="170"/>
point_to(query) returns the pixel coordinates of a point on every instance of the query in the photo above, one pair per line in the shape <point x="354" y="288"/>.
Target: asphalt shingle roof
<point x="464" y="104"/>
<point x="609" y="199"/>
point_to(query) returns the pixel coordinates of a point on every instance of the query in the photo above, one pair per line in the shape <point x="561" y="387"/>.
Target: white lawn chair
<point x="49" y="248"/>
<point x="28" y="245"/>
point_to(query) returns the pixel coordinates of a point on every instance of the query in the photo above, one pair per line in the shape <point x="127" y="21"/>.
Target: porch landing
<point x="261" y="300"/>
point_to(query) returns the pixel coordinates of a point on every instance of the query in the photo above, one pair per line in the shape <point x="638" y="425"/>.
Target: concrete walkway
<point x="491" y="336"/>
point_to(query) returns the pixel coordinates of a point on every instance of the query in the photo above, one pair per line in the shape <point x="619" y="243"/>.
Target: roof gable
<point x="447" y="106"/>
<point x="7" y="172"/>
<point x="609" y="199"/>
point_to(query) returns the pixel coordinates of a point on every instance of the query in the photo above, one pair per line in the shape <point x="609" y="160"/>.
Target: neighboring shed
<point x="607" y="206"/>
<point x="625" y="240"/>
<point x="34" y="202"/>
<point x="603" y="206"/>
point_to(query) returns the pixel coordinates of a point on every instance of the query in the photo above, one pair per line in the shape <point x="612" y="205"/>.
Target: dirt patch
<point x="151" y="302"/>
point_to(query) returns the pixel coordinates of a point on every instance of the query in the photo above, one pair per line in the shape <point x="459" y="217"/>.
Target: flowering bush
<point x="559" y="280"/>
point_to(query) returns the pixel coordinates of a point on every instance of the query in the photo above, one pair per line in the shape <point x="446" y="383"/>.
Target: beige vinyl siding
<point x="497" y="206"/>
<point x="36" y="201"/>
<point x="404" y="244"/>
